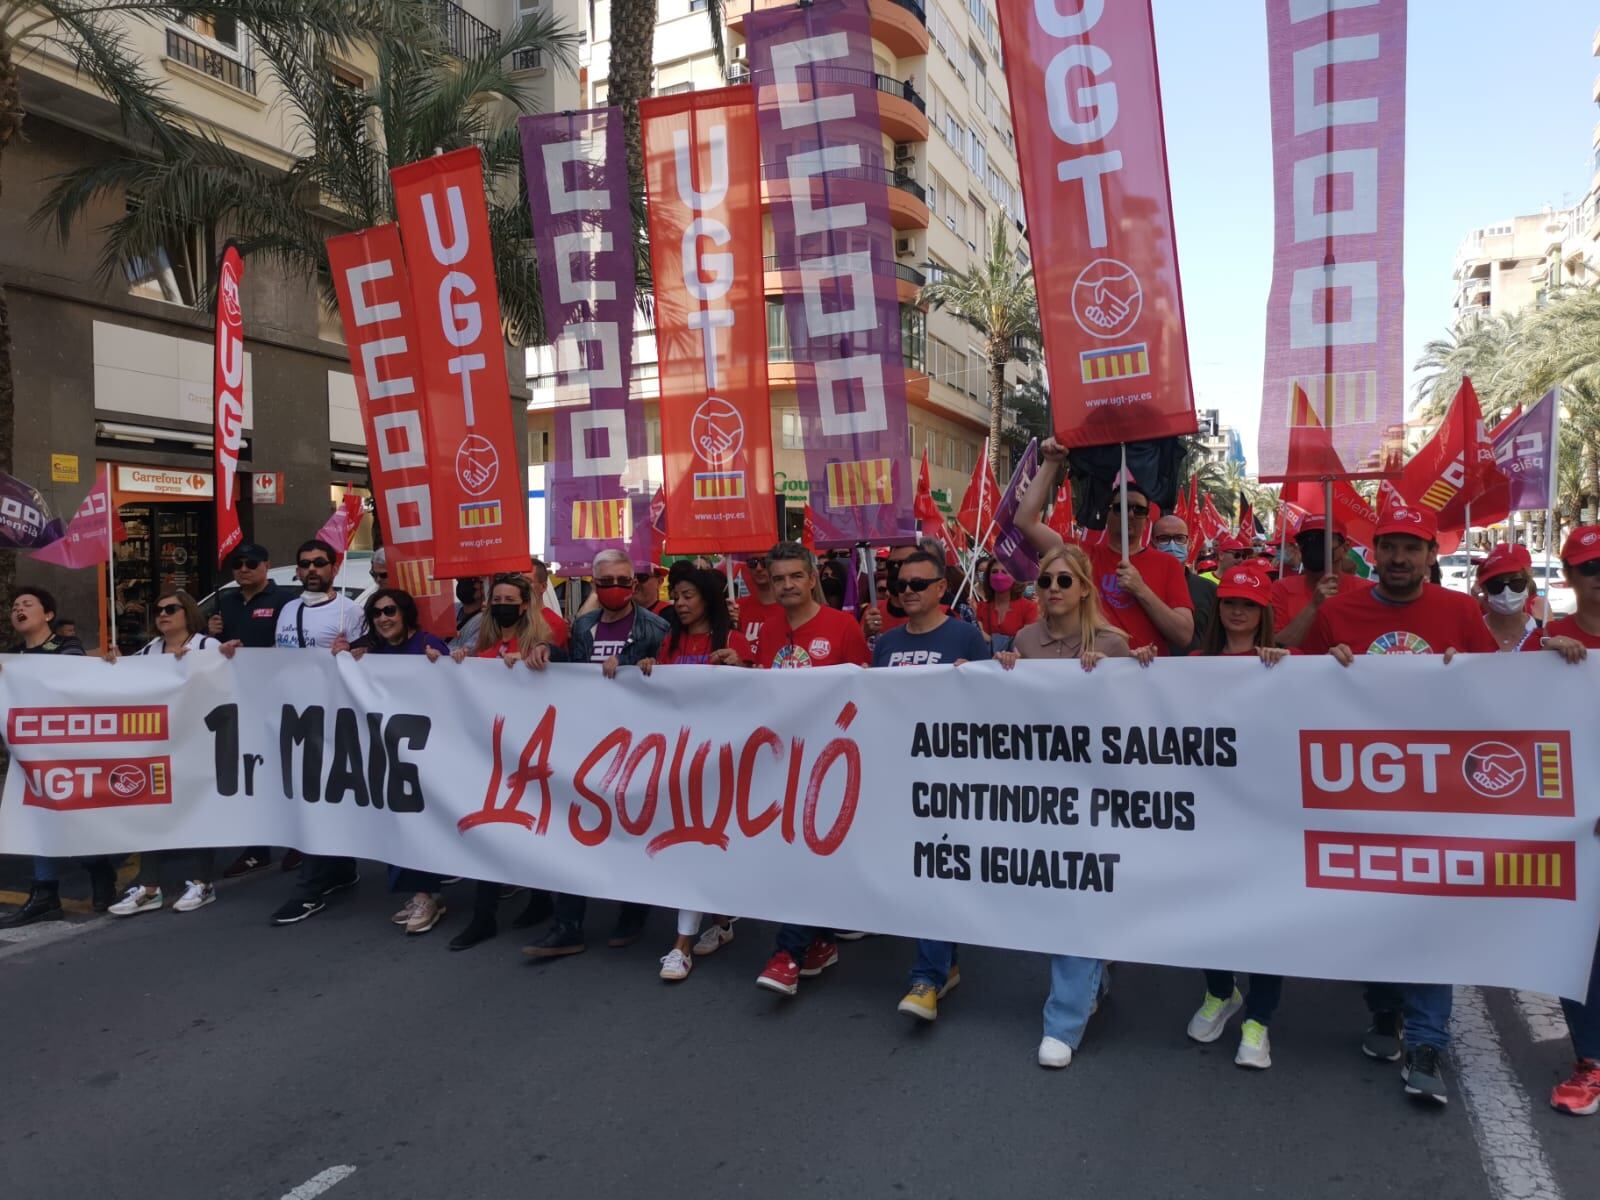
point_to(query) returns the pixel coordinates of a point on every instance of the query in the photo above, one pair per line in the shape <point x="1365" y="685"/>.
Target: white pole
<point x="111" y="563"/>
<point x="1122" y="491"/>
<point x="1550" y="496"/>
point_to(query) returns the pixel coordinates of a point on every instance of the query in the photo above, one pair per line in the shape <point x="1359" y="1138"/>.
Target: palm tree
<point x="1480" y="350"/>
<point x="424" y="98"/>
<point x="1027" y="416"/>
<point x="996" y="297"/>
<point x="93" y="36"/>
<point x="633" y="37"/>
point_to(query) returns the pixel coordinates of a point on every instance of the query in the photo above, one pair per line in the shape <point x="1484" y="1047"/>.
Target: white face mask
<point x="1509" y="601"/>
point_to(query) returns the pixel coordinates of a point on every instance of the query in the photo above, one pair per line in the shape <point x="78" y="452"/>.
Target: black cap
<point x="249" y="550"/>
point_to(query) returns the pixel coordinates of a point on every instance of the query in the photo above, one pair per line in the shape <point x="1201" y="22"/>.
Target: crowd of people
<point x="1088" y="603"/>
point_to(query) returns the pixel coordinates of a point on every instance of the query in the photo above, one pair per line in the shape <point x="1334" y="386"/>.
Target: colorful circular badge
<point x="1399" y="642"/>
<point x="791" y="656"/>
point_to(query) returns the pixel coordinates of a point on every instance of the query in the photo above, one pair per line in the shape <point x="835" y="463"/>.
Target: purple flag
<point x="577" y="175"/>
<point x="1011" y="548"/>
<point x="25" y="520"/>
<point x="822" y="155"/>
<point x="1523" y="454"/>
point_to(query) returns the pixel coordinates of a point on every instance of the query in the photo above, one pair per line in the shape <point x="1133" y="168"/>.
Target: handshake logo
<point x="1107" y="299"/>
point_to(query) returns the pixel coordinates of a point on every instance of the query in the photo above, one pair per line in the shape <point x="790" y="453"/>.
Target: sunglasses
<point x="314" y="564"/>
<point x="1064" y="581"/>
<point x="167" y="610"/>
<point x="246" y="564"/>
<point x="898" y="585"/>
<point x="623" y="581"/>
<point x="1587" y="569"/>
<point x="1138" y="510"/>
<point x="386" y="610"/>
<point x="1500" y="583"/>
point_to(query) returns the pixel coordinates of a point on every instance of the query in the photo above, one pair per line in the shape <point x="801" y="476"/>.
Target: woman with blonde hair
<point x="1070" y="626"/>
<point x="513" y="628"/>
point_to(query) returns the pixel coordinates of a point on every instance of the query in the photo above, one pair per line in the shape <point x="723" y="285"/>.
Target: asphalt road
<point x="212" y="1056"/>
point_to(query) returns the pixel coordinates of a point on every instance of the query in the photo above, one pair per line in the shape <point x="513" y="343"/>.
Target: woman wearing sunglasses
<point x="178" y="631"/>
<point x="1071" y="627"/>
<point x="393" y="627"/>
<point x="1507" y="593"/>
<point x="513" y="630"/>
<point x="1241" y="627"/>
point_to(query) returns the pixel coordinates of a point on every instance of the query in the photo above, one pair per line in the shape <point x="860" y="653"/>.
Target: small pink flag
<point x="88" y="539"/>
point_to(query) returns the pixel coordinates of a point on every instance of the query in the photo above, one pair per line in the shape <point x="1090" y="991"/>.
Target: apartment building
<point x="120" y="374"/>
<point x="947" y="131"/>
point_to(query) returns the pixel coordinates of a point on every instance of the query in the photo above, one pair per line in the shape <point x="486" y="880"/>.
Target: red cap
<point x="1227" y="542"/>
<point x="1245" y="583"/>
<point x="1505" y="559"/>
<point x="1583" y="545"/>
<point x="882" y="552"/>
<point x="1405" y="520"/>
<point x="1317" y="523"/>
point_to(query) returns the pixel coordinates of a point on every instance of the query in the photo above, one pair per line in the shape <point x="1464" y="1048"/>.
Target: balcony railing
<point x="210" y="61"/>
<point x="463" y="32"/>
<point x="915" y="8"/>
<point x="898" y="179"/>
<point x="886" y="84"/>
<point x="527" y="60"/>
<point x="910" y="274"/>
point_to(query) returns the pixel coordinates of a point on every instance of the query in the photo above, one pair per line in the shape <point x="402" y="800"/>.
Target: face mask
<point x="505" y="615"/>
<point x="614" y="598"/>
<point x="1176" y="550"/>
<point x="833" y="593"/>
<point x="999" y="581"/>
<point x="1508" y="601"/>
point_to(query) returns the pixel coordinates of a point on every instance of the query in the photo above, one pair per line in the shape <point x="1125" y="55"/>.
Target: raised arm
<point x="1030" y="513"/>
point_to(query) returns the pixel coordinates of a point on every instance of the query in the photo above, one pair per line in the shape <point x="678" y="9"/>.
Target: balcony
<point x="901" y="25"/>
<point x="908" y="281"/>
<point x="207" y="60"/>
<point x="908" y="200"/>
<point x="902" y="112"/>
<point x="527" y="60"/>
<point x="463" y="32"/>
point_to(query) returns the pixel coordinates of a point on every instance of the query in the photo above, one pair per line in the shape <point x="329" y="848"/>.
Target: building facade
<point x="118" y="373"/>
<point x="946" y="126"/>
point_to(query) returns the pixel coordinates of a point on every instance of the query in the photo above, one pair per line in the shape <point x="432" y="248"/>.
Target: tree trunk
<point x="633" y="32"/>
<point x="997" y="407"/>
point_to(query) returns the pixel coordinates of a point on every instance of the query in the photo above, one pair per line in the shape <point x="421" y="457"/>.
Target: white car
<point x="1553" y="586"/>
<point x="354" y="580"/>
<point x="1458" y="570"/>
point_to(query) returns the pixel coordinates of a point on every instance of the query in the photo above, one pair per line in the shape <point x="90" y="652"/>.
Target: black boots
<point x="102" y="884"/>
<point x="44" y="903"/>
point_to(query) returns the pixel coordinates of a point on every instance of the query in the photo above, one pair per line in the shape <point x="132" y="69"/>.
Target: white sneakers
<point x="136" y="900"/>
<point x="713" y="939"/>
<point x="1255" y="1048"/>
<point x="1211" y="1018"/>
<point x="677" y="965"/>
<point x="1054" y="1053"/>
<point x="195" y="895"/>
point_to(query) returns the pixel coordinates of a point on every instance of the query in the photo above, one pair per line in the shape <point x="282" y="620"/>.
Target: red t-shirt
<point x="689" y="649"/>
<point x="753" y="614"/>
<point x="1436" y="621"/>
<point x="829" y="639"/>
<point x="1022" y="613"/>
<point x="1292" y="593"/>
<point x="502" y="648"/>
<point x="558" y="627"/>
<point x="1164" y="576"/>
<point x="1569" y="627"/>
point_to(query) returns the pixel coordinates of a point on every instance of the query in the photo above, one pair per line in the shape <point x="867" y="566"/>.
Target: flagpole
<point x="1122" y="489"/>
<point x="1328" y="524"/>
<point x="1550" y="495"/>
<point x="111" y="567"/>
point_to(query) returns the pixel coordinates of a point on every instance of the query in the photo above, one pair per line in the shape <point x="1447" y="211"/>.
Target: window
<point x="977" y="375"/>
<point x="939" y="29"/>
<point x="914" y="338"/>
<point x="955" y="133"/>
<point x="777" y="333"/>
<point x="652" y="435"/>
<point x="977" y="76"/>
<point x="955" y="215"/>
<point x="178" y="269"/>
<point x="936" y="270"/>
<point x="218" y="28"/>
<point x="945" y="365"/>
<point x="980" y="223"/>
<point x="698" y="5"/>
<point x="789" y="423"/>
<point x="977" y="155"/>
<point x="675" y="89"/>
<point x="538" y="446"/>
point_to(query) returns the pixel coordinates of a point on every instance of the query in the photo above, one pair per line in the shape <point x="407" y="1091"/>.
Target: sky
<point x="1499" y="122"/>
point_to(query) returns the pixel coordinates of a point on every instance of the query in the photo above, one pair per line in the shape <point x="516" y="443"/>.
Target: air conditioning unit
<point x="902" y="247"/>
<point x="904" y="154"/>
<point x="741" y="52"/>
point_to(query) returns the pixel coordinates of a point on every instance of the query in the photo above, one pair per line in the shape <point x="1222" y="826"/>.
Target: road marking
<point x="319" y="1183"/>
<point x="1497" y="1108"/>
<point x="1543" y="1016"/>
<point x="31" y="937"/>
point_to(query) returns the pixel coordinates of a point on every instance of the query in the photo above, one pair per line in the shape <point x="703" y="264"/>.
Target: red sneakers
<point x="820" y="955"/>
<point x="1579" y="1095"/>
<point x="782" y="974"/>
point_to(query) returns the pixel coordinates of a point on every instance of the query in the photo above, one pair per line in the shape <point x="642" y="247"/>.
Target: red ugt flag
<point x="1456" y="466"/>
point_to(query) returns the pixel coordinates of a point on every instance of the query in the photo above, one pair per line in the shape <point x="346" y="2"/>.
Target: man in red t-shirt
<point x="751" y="612"/>
<point x="1147" y="596"/>
<point x="1572" y="638"/>
<point x="807" y="634"/>
<point x="1296" y="599"/>
<point x="1404" y="614"/>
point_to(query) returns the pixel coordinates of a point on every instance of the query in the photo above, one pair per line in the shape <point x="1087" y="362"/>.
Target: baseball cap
<point x="1318" y="523"/>
<point x="1227" y="542"/>
<point x="1407" y="521"/>
<point x="1245" y="583"/>
<point x="249" y="550"/>
<point x="1583" y="545"/>
<point x="1504" y="559"/>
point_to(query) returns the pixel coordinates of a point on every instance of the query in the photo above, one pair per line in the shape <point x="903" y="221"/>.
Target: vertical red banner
<point x="1086" y="104"/>
<point x="227" y="400"/>
<point x="1335" y="373"/>
<point x="380" y="334"/>
<point x="711" y="334"/>
<point x="479" y="496"/>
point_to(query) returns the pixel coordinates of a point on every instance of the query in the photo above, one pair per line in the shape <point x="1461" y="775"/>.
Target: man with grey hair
<point x="621" y="632"/>
<point x="379" y="566"/>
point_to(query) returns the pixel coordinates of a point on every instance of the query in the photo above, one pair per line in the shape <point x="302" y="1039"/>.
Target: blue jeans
<point x="793" y="939"/>
<point x="934" y="960"/>
<point x="48" y="870"/>
<point x="1260" y="1002"/>
<point x="1424" y="1008"/>
<point x="1583" y="1020"/>
<point x="1074" y="994"/>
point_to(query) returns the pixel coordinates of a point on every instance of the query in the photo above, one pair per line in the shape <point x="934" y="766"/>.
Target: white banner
<point x="1400" y="820"/>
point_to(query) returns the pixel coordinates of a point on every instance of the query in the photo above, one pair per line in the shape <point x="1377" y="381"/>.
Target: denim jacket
<point x="643" y="642"/>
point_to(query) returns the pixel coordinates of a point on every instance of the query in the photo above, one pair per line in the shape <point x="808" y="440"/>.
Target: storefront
<point x="169" y="543"/>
